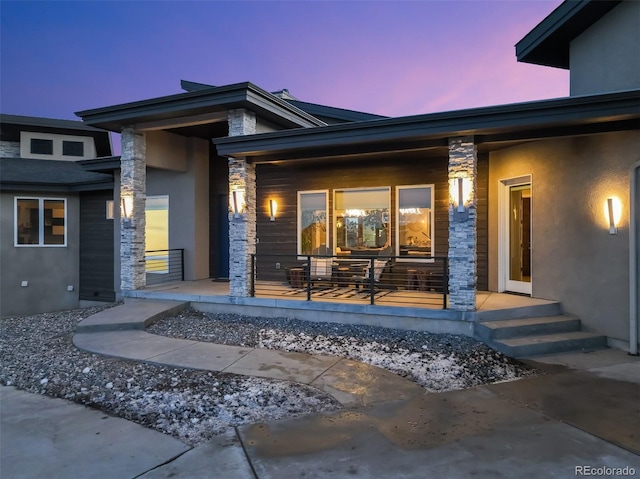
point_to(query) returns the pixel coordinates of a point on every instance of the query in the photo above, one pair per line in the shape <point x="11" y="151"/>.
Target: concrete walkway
<point x="584" y="412"/>
<point x="119" y="332"/>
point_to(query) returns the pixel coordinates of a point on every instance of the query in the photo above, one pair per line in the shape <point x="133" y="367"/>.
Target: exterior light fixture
<point x="126" y="208"/>
<point x="109" y="210"/>
<point x="613" y="211"/>
<point x="273" y="209"/>
<point x="459" y="196"/>
<point x="237" y="203"/>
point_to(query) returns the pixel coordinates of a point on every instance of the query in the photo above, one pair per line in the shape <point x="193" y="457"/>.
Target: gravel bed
<point x="37" y="355"/>
<point x="439" y="362"/>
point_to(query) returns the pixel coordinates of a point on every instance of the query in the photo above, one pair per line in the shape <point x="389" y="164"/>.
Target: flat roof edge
<point x="518" y="115"/>
<point x="548" y="42"/>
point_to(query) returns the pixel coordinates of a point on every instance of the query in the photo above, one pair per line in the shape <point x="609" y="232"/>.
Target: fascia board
<point x="547" y="27"/>
<point x="548" y="43"/>
<point x="56" y="187"/>
<point x="161" y="108"/>
<point x="49" y="123"/>
<point x="228" y="97"/>
<point x="280" y="108"/>
<point x="101" y="164"/>
<point x="99" y="185"/>
<point x="458" y="123"/>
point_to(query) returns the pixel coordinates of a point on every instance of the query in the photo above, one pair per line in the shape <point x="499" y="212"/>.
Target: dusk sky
<point x="391" y="58"/>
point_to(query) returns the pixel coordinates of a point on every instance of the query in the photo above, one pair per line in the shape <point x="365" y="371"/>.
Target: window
<point x="40" y="222"/>
<point x="312" y="221"/>
<point x="72" y="148"/>
<point x="414" y="228"/>
<point x="157" y="234"/>
<point x="51" y="146"/>
<point x="41" y="147"/>
<point x="362" y="218"/>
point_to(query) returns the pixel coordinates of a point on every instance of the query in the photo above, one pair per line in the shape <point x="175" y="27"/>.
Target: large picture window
<point x="313" y="234"/>
<point x="157" y="234"/>
<point x="40" y="222"/>
<point x="414" y="227"/>
<point x="362" y="219"/>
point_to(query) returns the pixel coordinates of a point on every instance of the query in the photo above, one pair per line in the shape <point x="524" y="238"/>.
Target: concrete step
<point x="544" y="309"/>
<point x="513" y="328"/>
<point x="550" y="343"/>
<point x="133" y="314"/>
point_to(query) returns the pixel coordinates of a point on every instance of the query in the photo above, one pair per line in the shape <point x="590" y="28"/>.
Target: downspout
<point x="633" y="262"/>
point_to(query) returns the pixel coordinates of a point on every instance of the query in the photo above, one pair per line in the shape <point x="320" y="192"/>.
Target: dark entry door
<point x="223" y="237"/>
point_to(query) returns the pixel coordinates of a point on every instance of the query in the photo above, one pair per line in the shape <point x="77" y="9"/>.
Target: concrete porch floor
<point x="213" y="296"/>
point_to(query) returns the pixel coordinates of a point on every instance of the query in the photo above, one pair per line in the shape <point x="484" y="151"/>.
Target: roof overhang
<point x="55" y="188"/>
<point x="18" y="174"/>
<point x="548" y="43"/>
<point x="493" y="127"/>
<point x="12" y="125"/>
<point x="206" y="105"/>
<point x="100" y="165"/>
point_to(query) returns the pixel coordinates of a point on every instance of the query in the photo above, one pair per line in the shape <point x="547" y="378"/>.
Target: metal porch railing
<point x="381" y="280"/>
<point x="164" y="266"/>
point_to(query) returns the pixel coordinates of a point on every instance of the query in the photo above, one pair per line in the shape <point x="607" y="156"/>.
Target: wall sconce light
<point x="273" y="209"/>
<point x="109" y="210"/>
<point x="126" y="208"/>
<point x="460" y="193"/>
<point x="613" y="212"/>
<point x="237" y="203"/>
<point x="460" y="196"/>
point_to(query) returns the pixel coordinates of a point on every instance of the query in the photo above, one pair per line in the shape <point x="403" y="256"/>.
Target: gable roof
<point x="49" y="175"/>
<point x="548" y="43"/>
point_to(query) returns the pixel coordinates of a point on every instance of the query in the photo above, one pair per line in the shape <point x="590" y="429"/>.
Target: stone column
<point x="133" y="176"/>
<point x="242" y="229"/>
<point x="463" y="163"/>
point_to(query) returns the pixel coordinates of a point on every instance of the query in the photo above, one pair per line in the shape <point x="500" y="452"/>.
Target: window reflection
<point x="312" y="222"/>
<point x="362" y="219"/>
<point x="415" y="223"/>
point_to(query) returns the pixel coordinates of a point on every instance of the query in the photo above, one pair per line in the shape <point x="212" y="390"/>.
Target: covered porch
<point x="414" y="314"/>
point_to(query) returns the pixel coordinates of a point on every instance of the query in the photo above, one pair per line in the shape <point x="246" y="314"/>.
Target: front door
<point x="223" y="237"/>
<point x="515" y="235"/>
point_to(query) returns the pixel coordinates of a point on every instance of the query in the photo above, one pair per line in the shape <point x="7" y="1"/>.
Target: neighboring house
<point x="538" y="198"/>
<point x="53" y="227"/>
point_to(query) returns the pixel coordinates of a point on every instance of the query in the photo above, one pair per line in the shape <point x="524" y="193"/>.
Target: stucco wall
<point x="188" y="198"/>
<point x="49" y="270"/>
<point x="166" y="150"/>
<point x="574" y="258"/>
<point x="605" y="56"/>
<point x="264" y="126"/>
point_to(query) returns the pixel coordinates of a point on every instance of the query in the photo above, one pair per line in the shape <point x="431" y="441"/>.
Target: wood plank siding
<point x="96" y="247"/>
<point x="482" y="242"/>
<point x="282" y="182"/>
